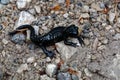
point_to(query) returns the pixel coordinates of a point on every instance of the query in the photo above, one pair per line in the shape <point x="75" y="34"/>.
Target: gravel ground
<point x="99" y="59"/>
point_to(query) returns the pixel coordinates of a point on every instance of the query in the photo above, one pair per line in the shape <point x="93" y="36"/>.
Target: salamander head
<point x="77" y="29"/>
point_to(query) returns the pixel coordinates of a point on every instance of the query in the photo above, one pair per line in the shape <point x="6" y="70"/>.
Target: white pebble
<point x="65" y="15"/>
<point x="22" y="68"/>
<point x="4" y="41"/>
<point x="111" y="17"/>
<point x="51" y="69"/>
<point x="30" y="60"/>
<point x="24" y="18"/>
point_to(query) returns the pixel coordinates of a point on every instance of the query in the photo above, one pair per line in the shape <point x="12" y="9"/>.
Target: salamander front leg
<point x="81" y="41"/>
<point x="48" y="53"/>
<point x="70" y="43"/>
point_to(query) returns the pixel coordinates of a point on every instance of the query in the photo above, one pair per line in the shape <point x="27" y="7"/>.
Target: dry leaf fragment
<point x="56" y="8"/>
<point x="67" y="3"/>
<point x="60" y="63"/>
<point x="117" y="1"/>
<point x="71" y="71"/>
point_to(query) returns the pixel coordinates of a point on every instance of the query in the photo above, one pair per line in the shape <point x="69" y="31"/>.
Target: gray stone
<point x="111" y="17"/>
<point x="61" y="1"/>
<point x="45" y="77"/>
<point x="63" y="76"/>
<point x="5" y="1"/>
<point x="102" y="5"/>
<point x="1" y="27"/>
<point x="1" y="75"/>
<point x="31" y="46"/>
<point x="18" y="38"/>
<point x="117" y="36"/>
<point x="75" y="77"/>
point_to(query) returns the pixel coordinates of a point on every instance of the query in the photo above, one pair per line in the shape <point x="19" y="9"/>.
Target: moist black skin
<point x="57" y="34"/>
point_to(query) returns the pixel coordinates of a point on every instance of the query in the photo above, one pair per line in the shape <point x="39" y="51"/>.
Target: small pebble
<point x="1" y="27"/>
<point x="102" y="5"/>
<point x="21" y="4"/>
<point x="51" y="69"/>
<point x="63" y="76"/>
<point x="65" y="15"/>
<point x="80" y="4"/>
<point x="111" y="17"/>
<point x="85" y="15"/>
<point x="85" y="8"/>
<point x="45" y="77"/>
<point x="108" y="27"/>
<point x="4" y="1"/>
<point x="1" y="47"/>
<point x="48" y="59"/>
<point x="102" y="47"/>
<point x="87" y="72"/>
<point x="30" y="59"/>
<point x="61" y="1"/>
<point x="75" y="77"/>
<point x="117" y="36"/>
<point x="5" y="41"/>
<point x="22" y="68"/>
<point x="105" y="41"/>
<point x="95" y="44"/>
<point x="1" y="75"/>
<point x="32" y="11"/>
<point x="37" y="8"/>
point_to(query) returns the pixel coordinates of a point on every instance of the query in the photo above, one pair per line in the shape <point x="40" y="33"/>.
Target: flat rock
<point x="65" y="51"/>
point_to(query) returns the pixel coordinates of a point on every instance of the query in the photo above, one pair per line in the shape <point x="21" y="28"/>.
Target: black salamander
<point x="55" y="35"/>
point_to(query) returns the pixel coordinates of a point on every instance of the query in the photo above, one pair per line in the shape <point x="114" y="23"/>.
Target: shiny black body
<point x="55" y="35"/>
